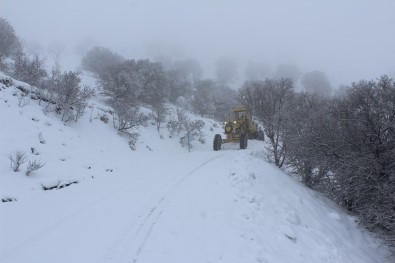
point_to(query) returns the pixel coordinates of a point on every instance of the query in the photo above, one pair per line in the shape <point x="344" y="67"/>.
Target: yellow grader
<point x="238" y="128"/>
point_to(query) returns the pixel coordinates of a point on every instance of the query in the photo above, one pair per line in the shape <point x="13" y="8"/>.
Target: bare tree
<point x="268" y="100"/>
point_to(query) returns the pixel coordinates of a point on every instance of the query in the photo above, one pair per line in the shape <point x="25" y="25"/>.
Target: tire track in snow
<point x="7" y="255"/>
<point x="134" y="241"/>
<point x="162" y="203"/>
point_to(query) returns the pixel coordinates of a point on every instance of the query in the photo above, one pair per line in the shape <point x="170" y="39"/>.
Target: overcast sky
<point x="347" y="39"/>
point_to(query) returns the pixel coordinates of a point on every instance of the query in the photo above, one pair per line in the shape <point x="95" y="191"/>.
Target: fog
<point x="349" y="40"/>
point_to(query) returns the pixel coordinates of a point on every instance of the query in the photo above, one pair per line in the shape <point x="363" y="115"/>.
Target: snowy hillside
<point x="96" y="200"/>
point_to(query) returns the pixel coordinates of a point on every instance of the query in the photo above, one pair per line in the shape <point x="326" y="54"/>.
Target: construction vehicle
<point x="238" y="128"/>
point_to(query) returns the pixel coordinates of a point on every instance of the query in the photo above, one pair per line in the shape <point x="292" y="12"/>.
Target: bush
<point x="177" y="125"/>
<point x="34" y="166"/>
<point x="119" y="83"/>
<point x="64" y="94"/>
<point x="29" y="70"/>
<point x="17" y="159"/>
<point x="71" y="98"/>
<point x="128" y="117"/>
<point x="183" y="124"/>
<point x="133" y="139"/>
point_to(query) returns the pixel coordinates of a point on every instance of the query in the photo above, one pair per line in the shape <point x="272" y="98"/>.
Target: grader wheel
<point x="217" y="142"/>
<point x="243" y="141"/>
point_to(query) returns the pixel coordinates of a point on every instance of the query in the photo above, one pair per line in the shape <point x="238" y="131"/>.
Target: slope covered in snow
<point x="159" y="203"/>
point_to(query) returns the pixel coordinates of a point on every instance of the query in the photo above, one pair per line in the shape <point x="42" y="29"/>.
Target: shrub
<point x="17" y="159"/>
<point x="64" y="94"/>
<point x="183" y="124"/>
<point x="29" y="70"/>
<point x="33" y="166"/>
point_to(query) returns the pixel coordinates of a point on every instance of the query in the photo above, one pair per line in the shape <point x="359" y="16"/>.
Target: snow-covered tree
<point x="362" y="151"/>
<point x="120" y="82"/>
<point x="29" y="70"/>
<point x="9" y="42"/>
<point x="135" y="82"/>
<point x="269" y="101"/>
<point x="99" y="59"/>
<point x="128" y="117"/>
<point x="159" y="114"/>
<point x="302" y="128"/>
<point x="345" y="148"/>
<point x="151" y="81"/>
<point x="71" y="99"/>
<point x="203" y="99"/>
<point x="182" y="124"/>
<point x="179" y="85"/>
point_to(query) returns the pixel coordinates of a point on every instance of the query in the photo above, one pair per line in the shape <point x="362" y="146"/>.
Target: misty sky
<point x="347" y="39"/>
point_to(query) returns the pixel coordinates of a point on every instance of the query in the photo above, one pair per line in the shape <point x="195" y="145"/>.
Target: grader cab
<point x="238" y="128"/>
